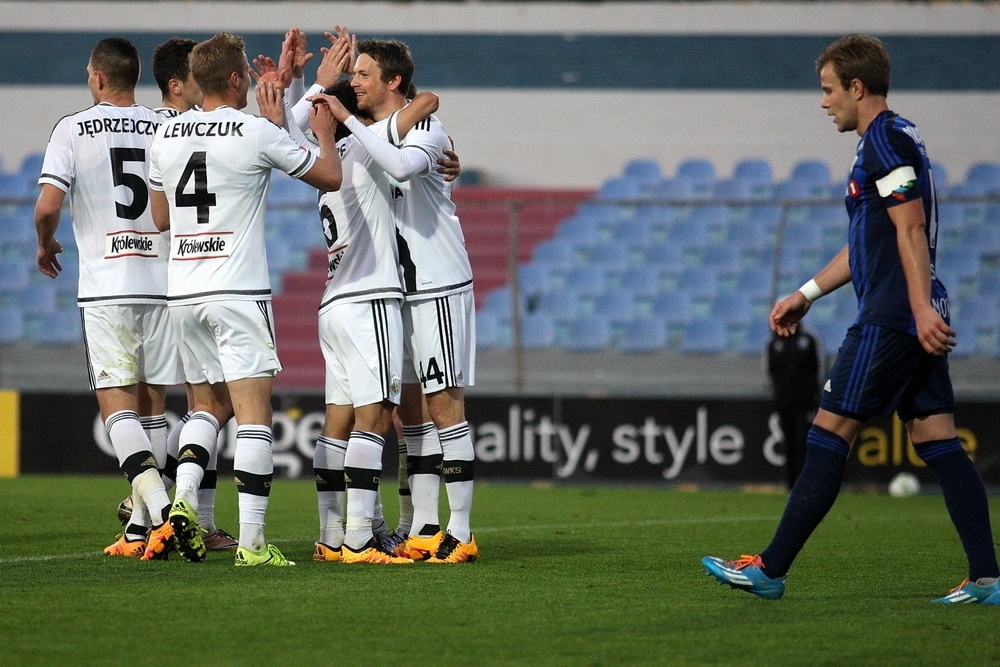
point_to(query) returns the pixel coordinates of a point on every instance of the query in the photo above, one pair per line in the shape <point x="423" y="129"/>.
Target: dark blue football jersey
<point x="878" y="181"/>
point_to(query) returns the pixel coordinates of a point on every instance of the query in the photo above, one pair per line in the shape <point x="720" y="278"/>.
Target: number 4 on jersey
<point x="433" y="372"/>
<point x="201" y="198"/>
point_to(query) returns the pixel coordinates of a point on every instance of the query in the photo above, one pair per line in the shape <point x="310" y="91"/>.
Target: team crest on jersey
<point x="853" y="189"/>
<point x="395" y="386"/>
<point x="213" y="245"/>
<point x="130" y="243"/>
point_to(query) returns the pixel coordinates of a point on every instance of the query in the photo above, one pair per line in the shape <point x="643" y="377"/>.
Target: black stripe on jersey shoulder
<point x="425" y="124"/>
<point x="199" y="295"/>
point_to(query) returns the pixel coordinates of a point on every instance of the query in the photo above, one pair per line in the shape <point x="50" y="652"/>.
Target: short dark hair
<point x="393" y="58"/>
<point x="860" y="57"/>
<point x="344" y="92"/>
<point x="213" y="60"/>
<point x="170" y="61"/>
<point x="118" y="59"/>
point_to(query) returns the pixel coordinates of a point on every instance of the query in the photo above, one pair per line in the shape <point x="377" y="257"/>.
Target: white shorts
<point x="362" y="344"/>
<point x="223" y="341"/>
<point x="129" y="344"/>
<point x="440" y="350"/>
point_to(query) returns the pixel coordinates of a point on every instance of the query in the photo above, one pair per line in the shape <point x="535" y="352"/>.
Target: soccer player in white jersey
<point x="359" y="347"/>
<point x="209" y="172"/>
<point x="99" y="156"/>
<point x="438" y="312"/>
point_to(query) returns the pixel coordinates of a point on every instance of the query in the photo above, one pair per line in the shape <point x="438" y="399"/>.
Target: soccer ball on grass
<point x="904" y="484"/>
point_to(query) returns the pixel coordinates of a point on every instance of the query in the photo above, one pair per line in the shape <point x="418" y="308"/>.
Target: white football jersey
<point x="214" y="167"/>
<point x="432" y="247"/>
<point x="100" y="156"/>
<point x="360" y="230"/>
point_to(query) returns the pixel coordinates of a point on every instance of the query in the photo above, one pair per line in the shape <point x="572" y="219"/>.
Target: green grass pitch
<point x="568" y="575"/>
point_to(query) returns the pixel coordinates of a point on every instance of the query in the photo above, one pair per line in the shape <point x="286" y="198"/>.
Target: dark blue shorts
<point x="879" y="371"/>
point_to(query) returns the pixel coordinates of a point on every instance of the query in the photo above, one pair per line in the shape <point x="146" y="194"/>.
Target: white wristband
<point x="811" y="291"/>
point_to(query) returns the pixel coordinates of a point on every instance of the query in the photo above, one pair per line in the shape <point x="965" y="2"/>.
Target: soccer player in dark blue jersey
<point x="894" y="357"/>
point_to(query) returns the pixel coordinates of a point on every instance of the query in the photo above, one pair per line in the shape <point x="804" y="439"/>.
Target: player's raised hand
<point x="270" y="99"/>
<point x="264" y="70"/>
<point x="336" y="60"/>
<point x="299" y="53"/>
<point x="352" y="40"/>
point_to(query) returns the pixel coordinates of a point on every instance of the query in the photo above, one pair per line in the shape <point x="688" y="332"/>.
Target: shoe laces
<point x="448" y="544"/>
<point x="959" y="587"/>
<point x="746" y="560"/>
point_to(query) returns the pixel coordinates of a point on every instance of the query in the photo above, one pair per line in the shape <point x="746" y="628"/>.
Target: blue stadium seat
<point x="611" y="257"/>
<point x="499" y="301"/>
<point x="31" y="164"/>
<point x="557" y="254"/>
<point x="15" y="274"/>
<point x="734" y="189"/>
<point x="17" y="226"/>
<point x="699" y="282"/>
<point x="697" y="170"/>
<point x="988" y="284"/>
<point x="732" y="308"/>
<point x="673" y="307"/>
<point x="581" y="231"/>
<point x="39" y="298"/>
<point x="562" y="304"/>
<point x="722" y="259"/>
<point x="755" y="282"/>
<point x="17" y="185"/>
<point x="285" y="190"/>
<point x="614" y="307"/>
<point x="756" y="338"/>
<point x="641" y="282"/>
<point x="620" y="189"/>
<point x="588" y="334"/>
<point x="490" y="331"/>
<point x="587" y="281"/>
<point x="664" y="255"/>
<point x="680" y="189"/>
<point x="634" y="233"/>
<point x="645" y="171"/>
<point x="11" y="325"/>
<point x="688" y="233"/>
<point x="534" y="279"/>
<point x="62" y="327"/>
<point x="940" y="176"/>
<point x="815" y="172"/>
<point x="753" y="170"/>
<point x="645" y="334"/>
<point x="538" y="330"/>
<point x="705" y="336"/>
<point x="795" y="190"/>
<point x="985" y="175"/>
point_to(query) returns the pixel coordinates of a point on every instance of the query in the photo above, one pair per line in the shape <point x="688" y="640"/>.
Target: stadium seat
<point x="62" y="327"/>
<point x="489" y="331"/>
<point x="814" y="172"/>
<point x="580" y="231"/>
<point x="557" y="254"/>
<point x="755" y="338"/>
<point x="538" y="330"/>
<point x="641" y="282"/>
<point x="589" y="281"/>
<point x="673" y="307"/>
<point x="635" y="233"/>
<point x="645" y="334"/>
<point x="722" y="259"/>
<point x="705" y="336"/>
<point x="699" y="171"/>
<point x="38" y="298"/>
<point x="15" y="274"/>
<point x="732" y="309"/>
<point x="534" y="279"/>
<point x="11" y="325"/>
<point x="735" y="190"/>
<point x="688" y="233"/>
<point x="611" y="257"/>
<point x="614" y="307"/>
<point x="31" y="164"/>
<point x="17" y="185"/>
<point x="940" y="176"/>
<point x="699" y="282"/>
<point x="679" y="189"/>
<point x="620" y="189"/>
<point x="562" y="304"/>
<point x="664" y="255"/>
<point x="588" y="334"/>
<point x="645" y="171"/>
<point x="795" y="190"/>
<point x="985" y="175"/>
<point x="752" y="170"/>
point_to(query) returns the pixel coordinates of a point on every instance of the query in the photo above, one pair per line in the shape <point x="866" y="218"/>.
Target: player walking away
<point x="894" y="357"/>
<point x="209" y="172"/>
<point x="100" y="157"/>
<point x="179" y="93"/>
<point x="438" y="312"/>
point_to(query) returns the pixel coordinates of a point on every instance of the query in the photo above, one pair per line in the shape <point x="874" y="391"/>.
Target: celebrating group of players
<point x="168" y="213"/>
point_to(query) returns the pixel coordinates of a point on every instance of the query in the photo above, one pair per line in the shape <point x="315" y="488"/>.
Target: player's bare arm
<point x="419" y="108"/>
<point x="326" y="173"/>
<point x="47" y="210"/>
<point x="159" y="206"/>
<point x="787" y="313"/>
<point x="935" y="335"/>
